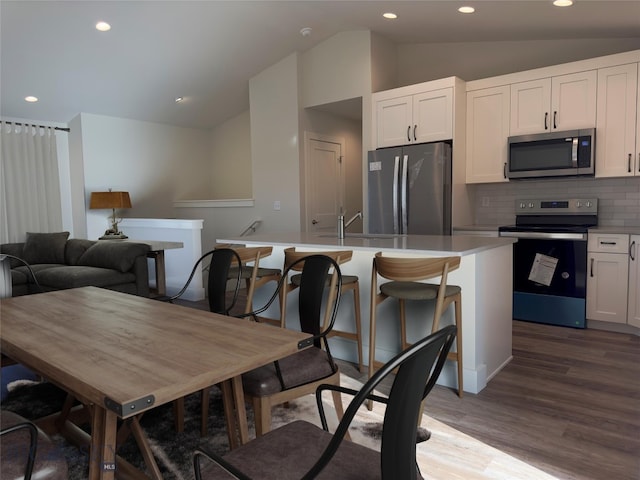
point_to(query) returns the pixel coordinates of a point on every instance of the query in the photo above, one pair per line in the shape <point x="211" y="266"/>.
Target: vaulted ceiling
<point x="206" y="51"/>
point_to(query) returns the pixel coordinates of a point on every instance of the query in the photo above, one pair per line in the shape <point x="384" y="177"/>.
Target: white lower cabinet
<point x="613" y="278"/>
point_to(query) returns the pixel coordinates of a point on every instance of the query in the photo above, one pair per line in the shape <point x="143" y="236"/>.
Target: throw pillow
<point x="45" y="247"/>
<point x="113" y="254"/>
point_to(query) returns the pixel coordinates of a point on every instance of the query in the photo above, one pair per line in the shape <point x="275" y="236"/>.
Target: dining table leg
<point x="241" y="411"/>
<point x="102" y="460"/>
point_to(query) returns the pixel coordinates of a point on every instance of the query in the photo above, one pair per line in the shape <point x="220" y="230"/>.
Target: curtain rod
<point x="62" y="129"/>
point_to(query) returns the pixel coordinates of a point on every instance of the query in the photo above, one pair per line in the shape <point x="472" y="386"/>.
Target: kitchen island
<point x="485" y="276"/>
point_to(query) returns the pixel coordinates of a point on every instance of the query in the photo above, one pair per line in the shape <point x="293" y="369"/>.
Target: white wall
<point x="231" y="159"/>
<point x="384" y="63"/>
<point x="337" y="69"/>
<point x="155" y="163"/>
<point x="274" y="103"/>
<point x="473" y="60"/>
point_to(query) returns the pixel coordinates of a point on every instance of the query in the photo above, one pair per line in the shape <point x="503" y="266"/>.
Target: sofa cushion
<point x="65" y="276"/>
<point x="19" y="278"/>
<point x="113" y="254"/>
<point x="45" y="247"/>
<point x="75" y="248"/>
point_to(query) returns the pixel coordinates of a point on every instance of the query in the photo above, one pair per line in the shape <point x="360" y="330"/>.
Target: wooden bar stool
<point x="406" y="275"/>
<point x="253" y="274"/>
<point x="349" y="283"/>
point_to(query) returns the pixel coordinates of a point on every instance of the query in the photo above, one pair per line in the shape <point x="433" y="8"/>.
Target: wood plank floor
<point x="568" y="403"/>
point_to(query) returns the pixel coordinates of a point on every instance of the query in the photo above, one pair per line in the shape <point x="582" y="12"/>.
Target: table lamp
<point x="111" y="200"/>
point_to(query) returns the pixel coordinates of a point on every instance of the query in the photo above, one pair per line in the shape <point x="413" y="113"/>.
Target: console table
<point x="157" y="255"/>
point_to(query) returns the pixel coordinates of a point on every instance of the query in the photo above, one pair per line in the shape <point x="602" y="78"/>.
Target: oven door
<point x="549" y="278"/>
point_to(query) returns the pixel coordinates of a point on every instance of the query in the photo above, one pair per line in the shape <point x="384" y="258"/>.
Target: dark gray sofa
<point x="60" y="263"/>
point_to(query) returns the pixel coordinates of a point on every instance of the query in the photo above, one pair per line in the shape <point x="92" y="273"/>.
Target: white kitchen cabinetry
<point x="607" y="277"/>
<point x="487" y="134"/>
<point x="565" y="102"/>
<point x="419" y="118"/>
<point x="617" y="142"/>
<point x="633" y="316"/>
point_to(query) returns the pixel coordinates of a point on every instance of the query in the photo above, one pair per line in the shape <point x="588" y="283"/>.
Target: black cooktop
<point x="552" y="223"/>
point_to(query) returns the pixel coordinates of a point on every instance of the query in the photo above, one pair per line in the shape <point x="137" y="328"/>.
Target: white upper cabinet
<point x="617" y="138"/>
<point x="487" y="133"/>
<point x="394" y="117"/>
<point x="422" y="117"/>
<point x="433" y="116"/>
<point x="564" y="102"/>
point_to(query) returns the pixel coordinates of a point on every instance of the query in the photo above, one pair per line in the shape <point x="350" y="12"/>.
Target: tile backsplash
<point x="618" y="198"/>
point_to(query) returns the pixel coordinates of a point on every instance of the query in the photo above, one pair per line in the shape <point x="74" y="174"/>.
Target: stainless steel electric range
<point x="550" y="259"/>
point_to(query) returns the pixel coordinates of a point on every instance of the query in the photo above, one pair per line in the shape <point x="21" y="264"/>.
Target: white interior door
<point x="324" y="182"/>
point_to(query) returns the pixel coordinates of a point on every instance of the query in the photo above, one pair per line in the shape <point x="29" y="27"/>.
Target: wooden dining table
<point x="121" y="355"/>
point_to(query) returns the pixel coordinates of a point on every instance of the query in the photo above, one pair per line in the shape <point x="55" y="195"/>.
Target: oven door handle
<point x="546" y="235"/>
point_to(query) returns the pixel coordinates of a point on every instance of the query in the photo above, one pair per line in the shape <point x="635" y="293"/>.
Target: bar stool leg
<point x="403" y="324"/>
<point x="458" y="316"/>
<point x="356" y="306"/>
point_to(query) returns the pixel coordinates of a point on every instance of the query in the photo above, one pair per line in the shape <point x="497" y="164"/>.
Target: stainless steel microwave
<point x="555" y="154"/>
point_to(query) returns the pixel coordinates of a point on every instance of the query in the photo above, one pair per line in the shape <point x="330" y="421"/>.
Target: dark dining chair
<point x="301" y="373"/>
<point x="302" y="450"/>
<point x="27" y="452"/>
<point x="220" y="264"/>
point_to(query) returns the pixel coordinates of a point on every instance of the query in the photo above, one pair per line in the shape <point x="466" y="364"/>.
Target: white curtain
<point x="29" y="180"/>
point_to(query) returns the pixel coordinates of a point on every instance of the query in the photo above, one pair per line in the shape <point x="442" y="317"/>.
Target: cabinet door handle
<point x="504" y="170"/>
<point x="639" y="162"/>
<point x="629" y="164"/>
<point x="546" y="120"/>
<point x="409" y="133"/>
<point x="591" y="268"/>
<point x="608" y="243"/>
<point x="632" y="251"/>
<point x="415" y="139"/>
<point x="555" y="118"/>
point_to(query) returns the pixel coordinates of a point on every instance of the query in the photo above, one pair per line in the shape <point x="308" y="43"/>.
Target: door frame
<point x="313" y="136"/>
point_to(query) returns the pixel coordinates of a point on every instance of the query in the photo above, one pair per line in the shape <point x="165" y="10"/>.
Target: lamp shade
<point x="109" y="200"/>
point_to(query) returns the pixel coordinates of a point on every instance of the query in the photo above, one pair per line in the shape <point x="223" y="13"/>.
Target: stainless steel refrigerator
<point x="410" y="189"/>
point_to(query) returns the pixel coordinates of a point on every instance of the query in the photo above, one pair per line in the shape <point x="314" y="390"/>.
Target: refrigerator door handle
<point x="396" y="179"/>
<point x="404" y="227"/>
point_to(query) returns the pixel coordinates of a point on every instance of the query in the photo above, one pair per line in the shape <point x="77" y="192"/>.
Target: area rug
<point x="448" y="454"/>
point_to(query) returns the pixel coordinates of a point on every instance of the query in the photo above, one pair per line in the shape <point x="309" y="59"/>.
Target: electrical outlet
<point x="276" y="205"/>
<point x="485" y="201"/>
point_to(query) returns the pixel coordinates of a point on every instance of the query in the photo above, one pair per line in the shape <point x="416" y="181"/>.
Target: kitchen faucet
<point x="342" y="225"/>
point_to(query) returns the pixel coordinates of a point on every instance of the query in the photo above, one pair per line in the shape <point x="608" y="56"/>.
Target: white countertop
<point x="616" y="230"/>
<point x="437" y="245"/>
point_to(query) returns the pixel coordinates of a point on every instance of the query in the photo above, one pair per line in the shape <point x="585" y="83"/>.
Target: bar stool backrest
<point x="291" y="255"/>
<point x="414" y="269"/>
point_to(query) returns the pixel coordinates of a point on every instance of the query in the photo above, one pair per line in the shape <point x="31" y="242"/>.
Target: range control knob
<point x="578" y="204"/>
<point x="531" y="205"/>
<point x="523" y="205"/>
<point x="588" y="204"/>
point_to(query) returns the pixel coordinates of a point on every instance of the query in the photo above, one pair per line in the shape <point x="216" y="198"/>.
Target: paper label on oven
<point x="543" y="269"/>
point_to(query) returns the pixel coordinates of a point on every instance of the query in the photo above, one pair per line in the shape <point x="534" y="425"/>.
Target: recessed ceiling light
<point x="563" y="3"/>
<point x="390" y="15"/>
<point x="103" y="26"/>
<point x="179" y="99"/>
<point x="305" y="31"/>
<point x="31" y="99"/>
<point x="466" y="9"/>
